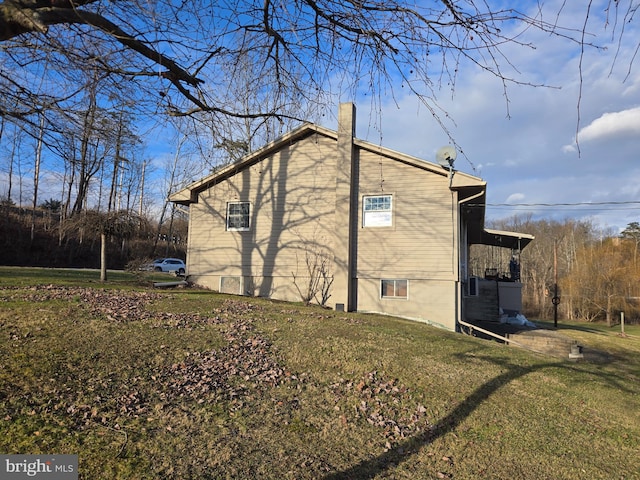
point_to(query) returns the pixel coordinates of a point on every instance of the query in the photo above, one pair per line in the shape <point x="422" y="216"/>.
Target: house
<point x="323" y="216"/>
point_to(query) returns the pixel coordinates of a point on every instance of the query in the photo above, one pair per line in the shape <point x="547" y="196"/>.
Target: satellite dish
<point x="445" y="156"/>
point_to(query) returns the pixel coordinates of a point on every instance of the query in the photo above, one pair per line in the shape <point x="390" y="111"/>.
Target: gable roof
<point x="471" y="189"/>
<point x="190" y="193"/>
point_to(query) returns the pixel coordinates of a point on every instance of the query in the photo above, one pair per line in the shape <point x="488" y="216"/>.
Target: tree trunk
<point x="103" y="257"/>
<point x="172" y="177"/>
<point x="36" y="177"/>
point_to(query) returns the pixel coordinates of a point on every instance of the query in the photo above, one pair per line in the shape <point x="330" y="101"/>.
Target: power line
<point x="583" y="207"/>
<point x="602" y="210"/>
<point x="555" y="204"/>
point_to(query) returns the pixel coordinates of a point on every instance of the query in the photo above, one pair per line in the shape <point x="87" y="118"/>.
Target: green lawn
<point x="184" y="383"/>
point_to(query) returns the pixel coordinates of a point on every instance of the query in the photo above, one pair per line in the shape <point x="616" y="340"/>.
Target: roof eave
<point x="500" y="238"/>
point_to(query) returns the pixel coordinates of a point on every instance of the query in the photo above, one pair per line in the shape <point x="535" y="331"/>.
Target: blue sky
<point x="526" y="149"/>
<point x="522" y="141"/>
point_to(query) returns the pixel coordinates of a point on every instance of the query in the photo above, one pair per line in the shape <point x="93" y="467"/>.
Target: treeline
<point x="596" y="271"/>
<point x="43" y="237"/>
<point x="78" y="189"/>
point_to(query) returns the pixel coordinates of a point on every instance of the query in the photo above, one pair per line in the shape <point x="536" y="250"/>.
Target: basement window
<point x="394" y="288"/>
<point x="238" y="216"/>
<point x="376" y="211"/>
<point x="231" y="285"/>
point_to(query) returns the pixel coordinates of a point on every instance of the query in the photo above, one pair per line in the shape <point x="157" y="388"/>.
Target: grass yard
<point x="189" y="384"/>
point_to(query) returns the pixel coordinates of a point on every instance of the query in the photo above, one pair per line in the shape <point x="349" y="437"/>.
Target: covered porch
<point x="493" y="291"/>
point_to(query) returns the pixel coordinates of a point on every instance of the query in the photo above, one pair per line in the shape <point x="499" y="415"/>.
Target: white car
<point x="169" y="265"/>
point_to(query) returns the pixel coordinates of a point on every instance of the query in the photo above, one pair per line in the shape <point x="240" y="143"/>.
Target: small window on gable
<point x="238" y="216"/>
<point x="394" y="288"/>
<point x="376" y="211"/>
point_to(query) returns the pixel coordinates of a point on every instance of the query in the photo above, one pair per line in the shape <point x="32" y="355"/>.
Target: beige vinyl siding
<point x="291" y="215"/>
<point x="430" y="301"/>
<point x="420" y="244"/>
<point x="299" y="189"/>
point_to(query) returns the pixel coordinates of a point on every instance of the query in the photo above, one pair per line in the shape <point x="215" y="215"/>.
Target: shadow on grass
<point x="372" y="467"/>
<point x="599" y="329"/>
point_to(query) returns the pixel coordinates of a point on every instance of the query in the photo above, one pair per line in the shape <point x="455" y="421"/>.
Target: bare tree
<point x="599" y="281"/>
<point x="36" y="176"/>
<point x="90" y="150"/>
<point x="124" y="173"/>
<point x="316" y="279"/>
<point x="178" y="174"/>
<point x="120" y="224"/>
<point x="312" y="48"/>
<point x="11" y="159"/>
<point x="569" y="237"/>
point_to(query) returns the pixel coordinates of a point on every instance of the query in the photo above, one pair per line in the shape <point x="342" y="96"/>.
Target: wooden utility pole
<point x="103" y="256"/>
<point x="555" y="299"/>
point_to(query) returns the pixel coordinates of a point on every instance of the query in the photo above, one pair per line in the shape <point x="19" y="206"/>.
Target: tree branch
<point x="20" y="17"/>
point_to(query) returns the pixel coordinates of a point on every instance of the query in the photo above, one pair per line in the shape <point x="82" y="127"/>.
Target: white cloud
<point x="625" y="123"/>
<point x="515" y="198"/>
<point x="520" y="141"/>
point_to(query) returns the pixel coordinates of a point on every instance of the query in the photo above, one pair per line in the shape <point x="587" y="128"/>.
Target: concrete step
<point x="548" y="342"/>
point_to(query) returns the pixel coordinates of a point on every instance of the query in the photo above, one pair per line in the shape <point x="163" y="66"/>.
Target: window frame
<point x="396" y="288"/>
<point x="375" y="218"/>
<point x="236" y="215"/>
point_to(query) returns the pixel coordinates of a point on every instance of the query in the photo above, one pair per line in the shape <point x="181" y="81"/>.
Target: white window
<point x="376" y="211"/>
<point x="394" y="288"/>
<point x="238" y="216"/>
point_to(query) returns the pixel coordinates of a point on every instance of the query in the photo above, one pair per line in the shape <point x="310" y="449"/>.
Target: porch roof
<point x="499" y="238"/>
<point x="473" y="209"/>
